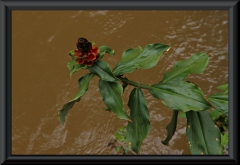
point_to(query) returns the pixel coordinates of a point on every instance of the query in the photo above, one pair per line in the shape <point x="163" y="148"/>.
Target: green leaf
<point x="224" y="139"/>
<point x="182" y="115"/>
<point x="224" y="127"/>
<point x="171" y="128"/>
<point x="105" y="49"/>
<point x="137" y="130"/>
<point x="83" y="87"/>
<point x="180" y="95"/>
<point x="202" y="135"/>
<point x="111" y="93"/>
<point x="76" y="68"/>
<point x="195" y="64"/>
<point x="215" y="114"/>
<point x="119" y="137"/>
<point x="73" y="66"/>
<point x="120" y="134"/>
<point x="73" y="62"/>
<point x="118" y="149"/>
<point x="102" y="70"/>
<point x="220" y="100"/>
<point x="223" y="87"/>
<point x="140" y="58"/>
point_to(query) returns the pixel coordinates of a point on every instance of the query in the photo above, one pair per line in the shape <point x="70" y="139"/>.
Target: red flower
<point x="77" y="54"/>
<point x="94" y="50"/>
<point x="88" y="63"/>
<point x="86" y="56"/>
<point x="91" y="57"/>
<point x="80" y="61"/>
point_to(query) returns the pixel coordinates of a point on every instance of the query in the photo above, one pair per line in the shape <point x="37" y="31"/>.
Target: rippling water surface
<point x="41" y="84"/>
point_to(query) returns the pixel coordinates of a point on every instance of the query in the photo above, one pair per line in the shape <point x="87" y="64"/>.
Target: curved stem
<point x="134" y="83"/>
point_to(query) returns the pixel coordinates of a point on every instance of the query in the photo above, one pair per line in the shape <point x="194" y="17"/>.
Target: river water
<point x="41" y="84"/>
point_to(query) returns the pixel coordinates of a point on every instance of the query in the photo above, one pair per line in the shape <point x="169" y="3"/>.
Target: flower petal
<point x="80" y="61"/>
<point x="94" y="50"/>
<point x="88" y="63"/>
<point x="91" y="57"/>
<point x="78" y="54"/>
<point x="97" y="57"/>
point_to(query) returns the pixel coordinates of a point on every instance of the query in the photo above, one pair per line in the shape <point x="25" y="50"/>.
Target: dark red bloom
<point x="94" y="50"/>
<point x="88" y="63"/>
<point x="86" y="53"/>
<point x="91" y="57"/>
<point x="78" y="54"/>
<point x="80" y="61"/>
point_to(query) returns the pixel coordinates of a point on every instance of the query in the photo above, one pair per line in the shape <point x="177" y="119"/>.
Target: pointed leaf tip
<point x="139" y="129"/>
<point x="105" y="49"/>
<point x="83" y="87"/>
<point x="197" y="63"/>
<point x="171" y="128"/>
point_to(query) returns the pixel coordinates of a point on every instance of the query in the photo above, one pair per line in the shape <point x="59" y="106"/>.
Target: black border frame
<point x="6" y="6"/>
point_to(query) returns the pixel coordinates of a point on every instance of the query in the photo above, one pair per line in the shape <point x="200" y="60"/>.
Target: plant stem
<point x="143" y="86"/>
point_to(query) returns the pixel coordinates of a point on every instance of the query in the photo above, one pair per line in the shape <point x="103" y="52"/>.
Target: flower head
<point x="86" y="53"/>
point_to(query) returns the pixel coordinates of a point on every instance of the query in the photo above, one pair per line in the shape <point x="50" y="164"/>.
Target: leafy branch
<point x="176" y="93"/>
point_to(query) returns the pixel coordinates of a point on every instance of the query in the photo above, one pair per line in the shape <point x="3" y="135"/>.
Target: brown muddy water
<point x="41" y="84"/>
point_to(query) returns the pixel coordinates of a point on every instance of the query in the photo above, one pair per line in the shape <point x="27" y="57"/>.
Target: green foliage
<point x="220" y="100"/>
<point x="223" y="87"/>
<point x="215" y="114"/>
<point x="195" y="64"/>
<point x="73" y="66"/>
<point x="83" y="87"/>
<point x="105" y="49"/>
<point x="179" y="95"/>
<point x="137" y="130"/>
<point x="120" y="134"/>
<point x="203" y="135"/>
<point x="219" y="114"/>
<point x="102" y="70"/>
<point x="171" y="128"/>
<point x="111" y="93"/>
<point x="119" y="142"/>
<point x="224" y="139"/>
<point x="140" y="58"/>
<point x="182" y="115"/>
